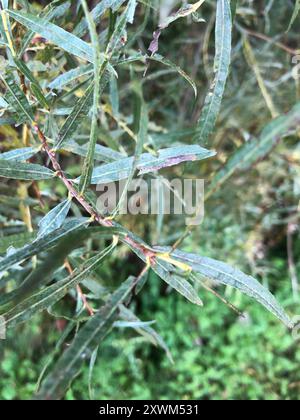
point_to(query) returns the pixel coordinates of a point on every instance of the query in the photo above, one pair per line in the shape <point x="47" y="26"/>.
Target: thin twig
<point x="264" y="37"/>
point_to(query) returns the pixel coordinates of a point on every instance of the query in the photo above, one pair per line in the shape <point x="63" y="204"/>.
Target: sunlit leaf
<point x="54" y="219"/>
<point x="19" y="155"/>
<point x="70" y="76"/>
<point x="53" y="33"/>
<point x="149" y="163"/>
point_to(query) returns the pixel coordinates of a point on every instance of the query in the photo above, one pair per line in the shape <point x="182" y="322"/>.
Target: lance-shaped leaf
<point x="141" y="139"/>
<point x="295" y="14"/>
<point x="51" y="11"/>
<point x="147" y="163"/>
<point x="70" y="76"/>
<point x="225" y="274"/>
<point x="212" y="105"/>
<point x="54" y="219"/>
<point x="102" y="153"/>
<point x="126" y="17"/>
<point x="257" y="149"/>
<point x="52" y="294"/>
<point x="19" y="155"/>
<point x="53" y="33"/>
<point x="41" y="244"/>
<point x="24" y="171"/>
<point x="87" y="339"/>
<point x="16" y="98"/>
<point x="41" y="275"/>
<point x="79" y="112"/>
<point x="99" y="70"/>
<point x="178" y="282"/>
<point x="35" y="86"/>
<point x="98" y="11"/>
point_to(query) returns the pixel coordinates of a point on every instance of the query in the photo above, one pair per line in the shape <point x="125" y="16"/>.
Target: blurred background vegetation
<point x="252" y="223"/>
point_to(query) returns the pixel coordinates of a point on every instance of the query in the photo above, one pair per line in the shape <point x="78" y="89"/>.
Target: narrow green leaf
<point x="99" y="10"/>
<point x="102" y="153"/>
<point x="295" y="14"/>
<point x="52" y="294"/>
<point x="51" y="11"/>
<point x="35" y="86"/>
<point x="99" y="70"/>
<point x="141" y="140"/>
<point x="257" y="149"/>
<point x="225" y="274"/>
<point x="184" y="11"/>
<point x="114" y="95"/>
<point x="91" y="370"/>
<point x="19" y="155"/>
<point x="179" y="283"/>
<point x="212" y="106"/>
<point x="70" y="76"/>
<point x="126" y="17"/>
<point x="87" y="339"/>
<point x="147" y="163"/>
<point x="79" y="112"/>
<point x="41" y="275"/>
<point x="54" y="219"/>
<point x="24" y="171"/>
<point x="17" y="99"/>
<point x="42" y="244"/>
<point x="53" y="33"/>
<point x="167" y="272"/>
